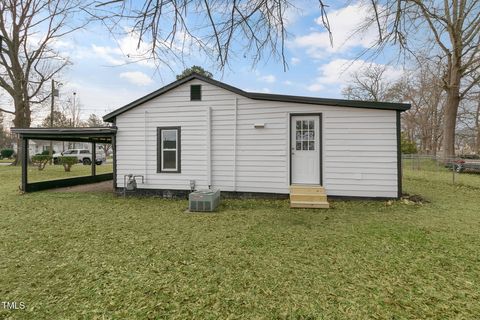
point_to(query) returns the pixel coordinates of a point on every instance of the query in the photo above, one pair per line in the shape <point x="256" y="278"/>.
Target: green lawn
<point x="6" y="160"/>
<point x="58" y="172"/>
<point x="96" y="256"/>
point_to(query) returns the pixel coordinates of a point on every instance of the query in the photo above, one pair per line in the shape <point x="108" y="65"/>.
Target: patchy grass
<point x="443" y="176"/>
<point x="6" y="160"/>
<point x="96" y="256"/>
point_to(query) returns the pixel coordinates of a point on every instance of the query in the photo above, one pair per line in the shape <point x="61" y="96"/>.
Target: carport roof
<point x="98" y="134"/>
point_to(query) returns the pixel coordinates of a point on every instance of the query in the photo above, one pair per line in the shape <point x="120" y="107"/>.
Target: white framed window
<point x="305" y="135"/>
<point x="168" y="149"/>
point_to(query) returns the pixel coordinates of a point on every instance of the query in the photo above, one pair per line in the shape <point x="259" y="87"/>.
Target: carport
<point x="90" y="135"/>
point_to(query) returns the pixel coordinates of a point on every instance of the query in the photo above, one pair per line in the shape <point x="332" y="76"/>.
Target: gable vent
<point x="195" y="92"/>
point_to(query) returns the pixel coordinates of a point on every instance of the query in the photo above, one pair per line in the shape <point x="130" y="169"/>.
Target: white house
<point x="202" y="131"/>
<point x="36" y="146"/>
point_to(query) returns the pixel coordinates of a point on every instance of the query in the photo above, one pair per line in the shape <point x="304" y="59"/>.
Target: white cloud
<point x="111" y="55"/>
<point x="270" y="78"/>
<point x="126" y="51"/>
<point x="298" y="9"/>
<point x="315" y="87"/>
<point x="263" y="90"/>
<point x="294" y="61"/>
<point x="136" y="77"/>
<point x="343" y="23"/>
<point x="288" y="82"/>
<point x="338" y="73"/>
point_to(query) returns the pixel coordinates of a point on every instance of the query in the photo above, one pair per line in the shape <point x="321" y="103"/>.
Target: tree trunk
<point x="452" y="87"/>
<point x="22" y="120"/>
<point x="450" y="121"/>
<point x="477" y="127"/>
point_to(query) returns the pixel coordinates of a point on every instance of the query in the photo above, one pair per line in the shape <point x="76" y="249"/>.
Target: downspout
<point x="209" y="147"/>
<point x="235" y="145"/>
<point x="145" y="134"/>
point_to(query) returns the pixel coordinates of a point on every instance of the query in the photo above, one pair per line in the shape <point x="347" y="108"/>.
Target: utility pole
<point x="73" y="113"/>
<point x="50" y="152"/>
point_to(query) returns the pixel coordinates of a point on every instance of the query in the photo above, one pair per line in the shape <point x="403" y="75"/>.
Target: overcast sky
<point x="104" y="77"/>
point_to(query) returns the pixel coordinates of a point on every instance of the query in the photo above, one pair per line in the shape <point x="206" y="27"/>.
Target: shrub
<point x="40" y="161"/>
<point x="6" y="153"/>
<point x="67" y="162"/>
<point x="47" y="153"/>
<point x="408" y="146"/>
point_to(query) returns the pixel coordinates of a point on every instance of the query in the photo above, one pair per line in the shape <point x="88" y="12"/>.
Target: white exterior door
<point x="305" y="149"/>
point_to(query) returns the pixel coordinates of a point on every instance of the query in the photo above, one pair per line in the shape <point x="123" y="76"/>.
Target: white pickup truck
<point x="83" y="155"/>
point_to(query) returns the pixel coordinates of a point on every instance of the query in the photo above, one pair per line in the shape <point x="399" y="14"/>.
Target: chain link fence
<point x="456" y="170"/>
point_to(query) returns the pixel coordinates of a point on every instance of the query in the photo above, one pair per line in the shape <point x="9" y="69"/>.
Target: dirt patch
<point x="105" y="186"/>
<point x="415" y="198"/>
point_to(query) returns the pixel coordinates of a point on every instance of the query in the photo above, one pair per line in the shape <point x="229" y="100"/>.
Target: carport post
<point x="94" y="158"/>
<point x="24" y="164"/>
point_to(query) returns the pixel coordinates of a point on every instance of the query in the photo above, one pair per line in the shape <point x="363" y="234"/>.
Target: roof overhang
<point x="110" y="117"/>
<point x="98" y="135"/>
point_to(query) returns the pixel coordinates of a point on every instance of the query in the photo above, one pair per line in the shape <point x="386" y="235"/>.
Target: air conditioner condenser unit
<point x="204" y="200"/>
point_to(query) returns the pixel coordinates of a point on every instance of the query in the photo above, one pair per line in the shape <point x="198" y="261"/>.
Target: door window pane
<point x="304" y="135"/>
<point x="305" y="125"/>
<point x="169" y="159"/>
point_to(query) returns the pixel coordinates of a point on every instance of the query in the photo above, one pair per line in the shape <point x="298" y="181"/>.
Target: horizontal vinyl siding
<point x="359" y="145"/>
<point x="222" y="144"/>
<point x="359" y="148"/>
<point x="171" y="109"/>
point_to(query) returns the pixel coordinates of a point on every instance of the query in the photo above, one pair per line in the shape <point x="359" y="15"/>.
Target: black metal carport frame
<point x="90" y="135"/>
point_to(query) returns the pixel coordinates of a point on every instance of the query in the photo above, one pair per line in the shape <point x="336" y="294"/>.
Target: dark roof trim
<point x="259" y="96"/>
<point x="100" y="134"/>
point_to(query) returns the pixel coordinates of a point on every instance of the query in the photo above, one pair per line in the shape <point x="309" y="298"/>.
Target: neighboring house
<point x="202" y="131"/>
<point x="38" y="146"/>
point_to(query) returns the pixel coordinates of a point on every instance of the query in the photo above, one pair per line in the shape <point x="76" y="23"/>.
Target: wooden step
<point x="309" y="204"/>
<point x="307" y="189"/>
<point x="308" y="197"/>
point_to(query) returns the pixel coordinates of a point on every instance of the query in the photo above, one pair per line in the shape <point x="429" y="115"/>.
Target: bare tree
<point x="28" y="28"/>
<point x="449" y="29"/>
<point x="255" y="29"/>
<point x="72" y="108"/>
<point x="469" y="121"/>
<point x="369" y="84"/>
<point x="423" y="88"/>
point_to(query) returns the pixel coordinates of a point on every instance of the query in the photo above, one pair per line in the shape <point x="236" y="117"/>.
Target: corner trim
<point x="399" y="156"/>
<point x="114" y="147"/>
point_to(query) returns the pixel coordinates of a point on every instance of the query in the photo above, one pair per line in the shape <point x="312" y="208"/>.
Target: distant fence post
<point x="453" y="170"/>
